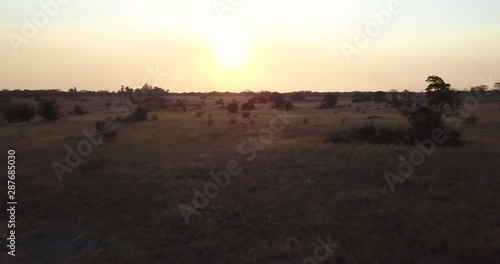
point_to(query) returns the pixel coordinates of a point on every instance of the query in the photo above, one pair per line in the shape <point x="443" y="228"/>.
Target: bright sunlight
<point x="231" y="48"/>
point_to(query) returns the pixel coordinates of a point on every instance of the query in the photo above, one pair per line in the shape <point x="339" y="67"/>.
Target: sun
<point x="231" y="49"/>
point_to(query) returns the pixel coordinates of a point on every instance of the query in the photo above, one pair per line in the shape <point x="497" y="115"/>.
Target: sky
<point x="234" y="45"/>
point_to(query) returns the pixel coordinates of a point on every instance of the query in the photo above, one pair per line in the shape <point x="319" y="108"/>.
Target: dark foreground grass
<point x="298" y="189"/>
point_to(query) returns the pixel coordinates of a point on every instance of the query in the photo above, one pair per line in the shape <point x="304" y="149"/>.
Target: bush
<point x="424" y="121"/>
<point x="424" y="118"/>
<point x="48" y="110"/>
<point x="232" y="107"/>
<point x="392" y="136"/>
<point x="245" y="115"/>
<point x="277" y="98"/>
<point x="366" y="134"/>
<point x="370" y="135"/>
<point x="283" y="106"/>
<point x="471" y="120"/>
<point x="297" y="96"/>
<point x="329" y="101"/>
<point x="248" y="106"/>
<point x="16" y="112"/>
<point x="139" y="114"/>
<point x="78" y="110"/>
<point x="219" y="102"/>
<point x="107" y="129"/>
<point x="452" y="136"/>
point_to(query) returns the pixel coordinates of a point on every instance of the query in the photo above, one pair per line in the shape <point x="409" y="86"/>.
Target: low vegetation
<point x="17" y="112"/>
<point x="48" y="109"/>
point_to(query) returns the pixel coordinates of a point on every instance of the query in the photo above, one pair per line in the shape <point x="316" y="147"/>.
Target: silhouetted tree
<point x="479" y="88"/>
<point x="329" y="101"/>
<point x="48" y="109"/>
<point x="440" y="98"/>
<point x="497" y="85"/>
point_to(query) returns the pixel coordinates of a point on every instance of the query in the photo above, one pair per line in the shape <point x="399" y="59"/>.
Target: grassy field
<point x="297" y="189"/>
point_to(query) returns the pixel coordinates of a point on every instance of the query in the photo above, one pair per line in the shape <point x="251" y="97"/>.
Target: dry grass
<point x="299" y="188"/>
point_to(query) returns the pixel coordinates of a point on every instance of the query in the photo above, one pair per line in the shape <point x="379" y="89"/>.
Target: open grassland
<point x="298" y="188"/>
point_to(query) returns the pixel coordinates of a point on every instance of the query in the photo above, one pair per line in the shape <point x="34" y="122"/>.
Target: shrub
<point x="107" y="104"/>
<point x="16" y="112"/>
<point x="329" y="101"/>
<point x="78" y="110"/>
<point x="283" y="106"/>
<point x="247" y="106"/>
<point x="154" y="117"/>
<point x="48" y="110"/>
<point x="392" y="136"/>
<point x="424" y="118"/>
<point x="366" y="134"/>
<point x="198" y="114"/>
<point x="210" y="122"/>
<point x="245" y="115"/>
<point x="370" y="135"/>
<point x="305" y="121"/>
<point x="452" y="136"/>
<point x="139" y="114"/>
<point x="219" y="102"/>
<point x="277" y="98"/>
<point x="297" y="96"/>
<point x="107" y="129"/>
<point x="471" y="120"/>
<point x="232" y="107"/>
